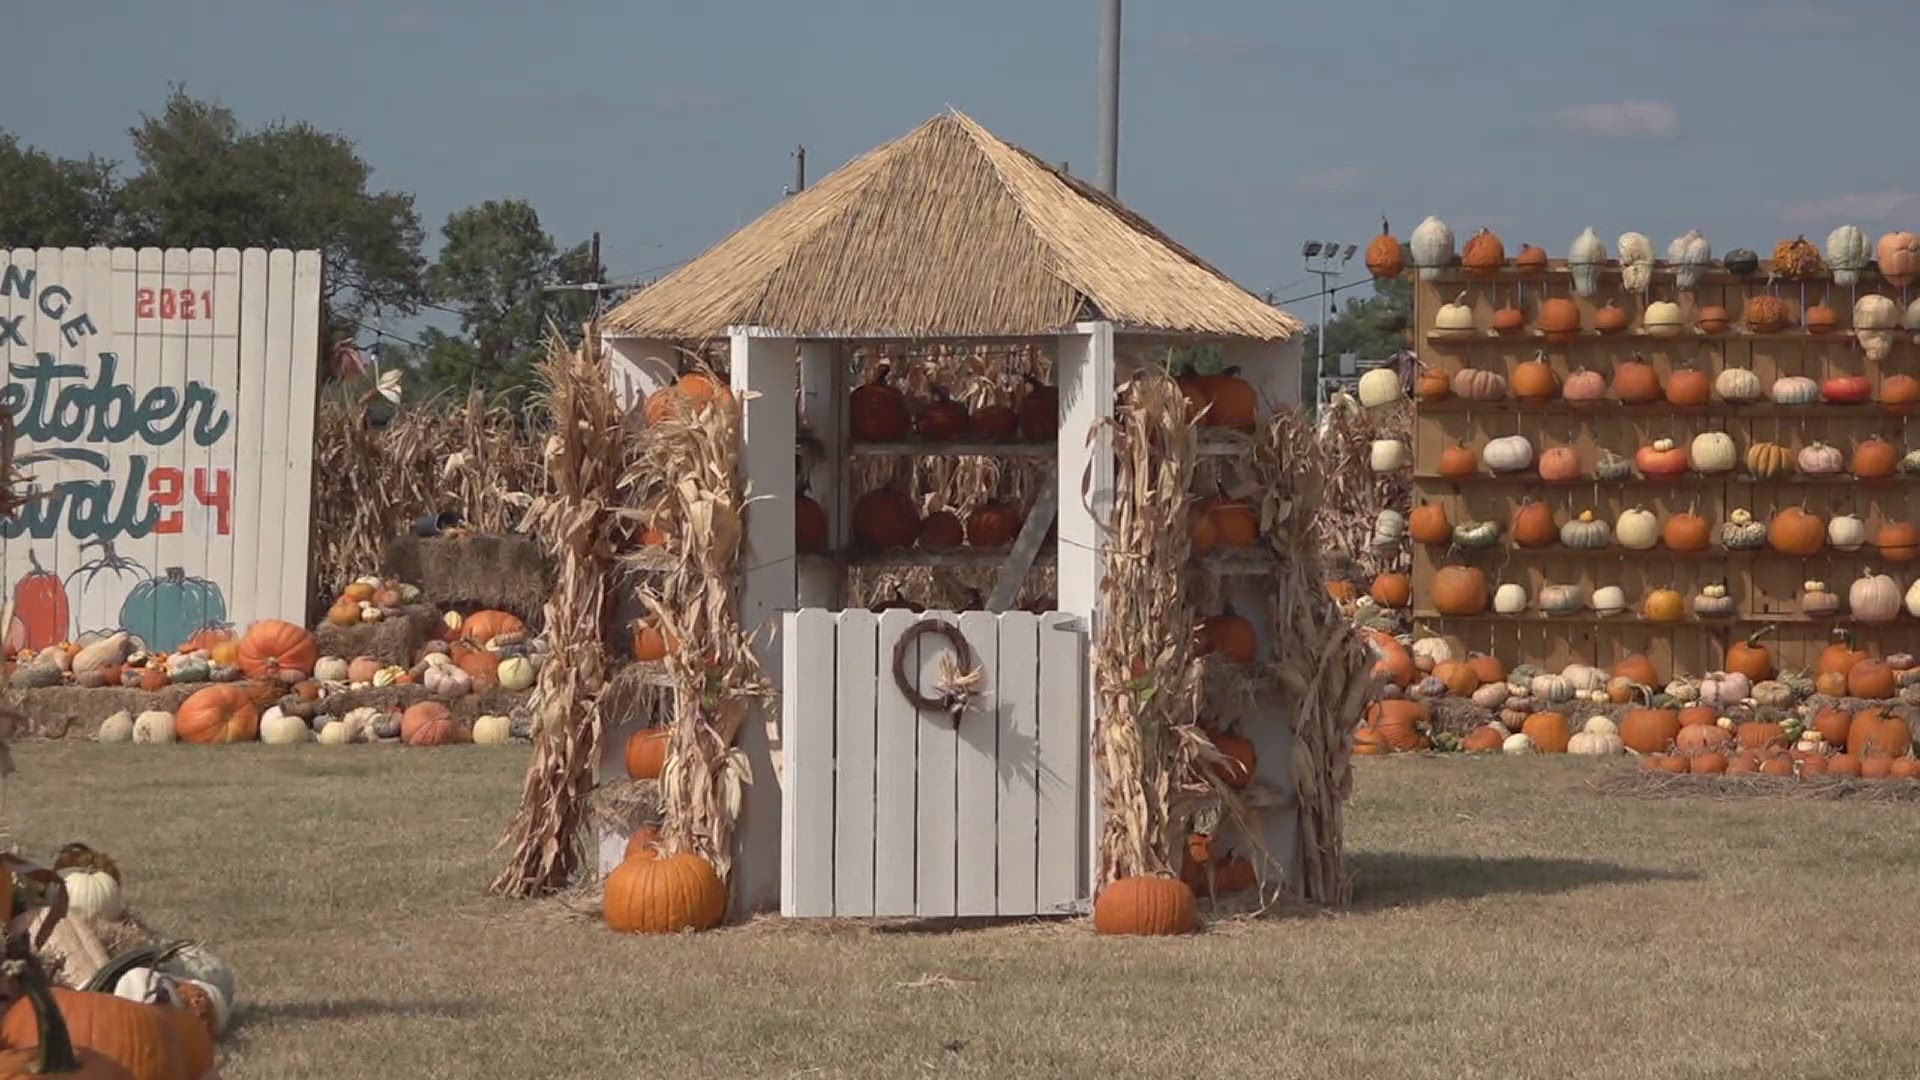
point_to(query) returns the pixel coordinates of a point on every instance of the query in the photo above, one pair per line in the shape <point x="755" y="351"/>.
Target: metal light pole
<point x="1107" y="173"/>
<point x="1326" y="261"/>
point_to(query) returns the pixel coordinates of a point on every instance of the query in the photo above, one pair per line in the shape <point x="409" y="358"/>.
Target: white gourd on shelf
<point x="1636" y="261"/>
<point x="1378" y="387"/>
<point x="1847" y="254"/>
<point x="1691" y="257"/>
<point x="1510" y="599"/>
<point x="1609" y="600"/>
<point x="1846" y="532"/>
<point x="1431" y="246"/>
<point x="1385" y="456"/>
<point x="1876" y="322"/>
<point x="1737" y="386"/>
<point x="1584" y="260"/>
<point x="1508" y="453"/>
<point x="1913" y="598"/>
<point x="1455" y="319"/>
<point x="1663" y="318"/>
<point x="1712" y="452"/>
<point x="1637" y="529"/>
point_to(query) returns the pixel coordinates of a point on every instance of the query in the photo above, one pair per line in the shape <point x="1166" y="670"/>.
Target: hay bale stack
<point x="495" y="702"/>
<point x="75" y="712"/>
<point x="393" y="640"/>
<point x="509" y="573"/>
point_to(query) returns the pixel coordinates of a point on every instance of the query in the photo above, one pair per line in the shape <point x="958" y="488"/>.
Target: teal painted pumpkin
<point x="165" y="611"/>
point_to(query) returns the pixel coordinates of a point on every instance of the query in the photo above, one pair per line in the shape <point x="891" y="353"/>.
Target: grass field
<point x="1510" y="923"/>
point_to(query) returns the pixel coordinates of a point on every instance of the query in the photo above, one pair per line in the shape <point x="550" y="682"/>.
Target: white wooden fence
<point x="166" y="400"/>
<point x="891" y="811"/>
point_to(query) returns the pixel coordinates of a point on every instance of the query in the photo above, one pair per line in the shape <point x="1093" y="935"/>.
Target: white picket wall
<point x="214" y="354"/>
<point x="892" y="812"/>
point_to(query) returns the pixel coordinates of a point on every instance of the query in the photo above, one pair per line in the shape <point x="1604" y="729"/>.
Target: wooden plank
<point x="1084" y="374"/>
<point x="895" y="777"/>
<point x="807" y="812"/>
<point x="1061" y="766"/>
<point x="935" y="816"/>
<point x="277" y="382"/>
<point x="822" y="391"/>
<point x="250" y="427"/>
<point x="302" y="366"/>
<point x="109" y="302"/>
<point x="854" y="692"/>
<point x="1017" y="682"/>
<point x="1026" y="547"/>
<point x="59" y="549"/>
<point x="976" y="779"/>
<point x="223" y="464"/>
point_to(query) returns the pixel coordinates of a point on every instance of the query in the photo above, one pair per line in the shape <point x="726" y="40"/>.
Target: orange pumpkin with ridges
<point x="1686" y="532"/>
<point x="1750" y="658"/>
<point x="1459" y="679"/>
<point x="1533" y="525"/>
<point x="1559" y="319"/>
<point x="1688" y="388"/>
<point x="1794" y="531"/>
<point x="1559" y="465"/>
<point x="1548" y="730"/>
<point x="272" y="648"/>
<point x="1900" y="394"/>
<point x="1534" y="382"/>
<point x="1459" y="461"/>
<point x="1428" y="524"/>
<point x="1635" y="382"/>
<point x="1880" y="732"/>
<point x="1391" y="590"/>
<point x="1459" y="590"/>
<point x="1648" y="731"/>
<point x="1897" y="541"/>
<point x="1874" y="458"/>
<point x="1400" y="723"/>
<point x="221" y="713"/>
<point x="1639" y="669"/>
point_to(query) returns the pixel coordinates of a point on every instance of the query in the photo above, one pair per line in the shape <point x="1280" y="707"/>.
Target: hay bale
<point x="394" y="640"/>
<point x="75" y="712"/>
<point x="510" y="573"/>
<point x="494" y="702"/>
<point x="621" y="806"/>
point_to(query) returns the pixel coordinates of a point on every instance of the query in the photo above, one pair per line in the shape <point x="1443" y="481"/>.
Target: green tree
<point x="205" y="181"/>
<point x="55" y="202"/>
<point x="1370" y="328"/>
<point x="493" y="272"/>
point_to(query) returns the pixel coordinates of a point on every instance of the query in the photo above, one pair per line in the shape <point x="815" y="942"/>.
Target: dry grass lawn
<point x="1511" y="924"/>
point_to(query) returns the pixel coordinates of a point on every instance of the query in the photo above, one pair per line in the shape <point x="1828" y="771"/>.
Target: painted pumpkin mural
<point x="98" y="590"/>
<point x="40" y="614"/>
<point x="172" y="608"/>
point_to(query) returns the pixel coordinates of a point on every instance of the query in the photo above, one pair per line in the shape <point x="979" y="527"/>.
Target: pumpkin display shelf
<point x="1764" y="410"/>
<point x="1615" y="551"/>
<point x="1488" y="337"/>
<point x="954" y="449"/>
<point x="1629" y="618"/>
<point x="1528" y="479"/>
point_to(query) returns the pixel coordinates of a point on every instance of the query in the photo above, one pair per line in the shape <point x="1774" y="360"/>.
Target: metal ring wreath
<point x="954" y="701"/>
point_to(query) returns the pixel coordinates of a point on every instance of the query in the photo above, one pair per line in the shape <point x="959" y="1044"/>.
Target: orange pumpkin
<point x="1635" y="382"/>
<point x="1880" y="733"/>
<point x="1507" y="320"/>
<point x="643" y="844"/>
<point x="1533" y="525"/>
<point x="1235" y="405"/>
<point x="1750" y="658"/>
<point x="1433" y="385"/>
<point x="1875" y="459"/>
<point x="275" y="649"/>
<point x="1686" y="531"/>
<point x="1483" y="255"/>
<point x="1697" y="716"/>
<point x="1651" y="460"/>
<point x="1839" y="656"/>
<point x="1231" y="636"/>
<point x="1237" y="771"/>
<point x="1711" y="762"/>
<point x="1871" y="679"/>
<point x="1391" y="590"/>
<point x="1713" y="319"/>
<point x="1459" y="679"/>
<point x="1635" y="667"/>
<point x="1663" y="605"/>
<point x="1484" y="739"/>
<point x="1459" y="590"/>
<point x="1488" y="667"/>
<point x="993" y="525"/>
<point x="1897" y="541"/>
<point x="1428" y="524"/>
<point x="1234" y="522"/>
<point x="1559" y="465"/>
<point x="219" y="713"/>
<point x="1559" y="319"/>
<point x="1385" y="258"/>
<point x="1649" y="731"/>
<point x="1689" y="388"/>
<point x="884" y="518"/>
<point x="1459" y="461"/>
<point x="650" y="642"/>
<point x="878" y="412"/>
<point x="944" y="531"/>
<point x="1794" y="531"/>
<point x="1842" y="765"/>
<point x="1534" y="382"/>
<point x="1548" y="730"/>
<point x="1900" y="394"/>
<point x="427" y="723"/>
<point x="1395" y="663"/>
<point x="646" y="753"/>
<point x="1399" y="723"/>
<point x="1821" y="319"/>
<point x="1611" y="319"/>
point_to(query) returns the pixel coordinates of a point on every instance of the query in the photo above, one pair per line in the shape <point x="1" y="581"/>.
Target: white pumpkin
<point x="92" y="892"/>
<point x="153" y="726"/>
<point x="108" y="651"/>
<point x="279" y="729"/>
<point x="1794" y="390"/>
<point x="330" y="669"/>
<point x="1712" y="452"/>
<point x="1847" y="254"/>
<point x="1663" y="319"/>
<point x="1600" y="725"/>
<point x="1874" y="598"/>
<point x="1738" y="386"/>
<point x="1913" y="319"/>
<point x="1913" y="598"/>
<point x="1585" y="258"/>
<point x="336" y="733"/>
<point x="196" y="963"/>
<point x="1378" y="387"/>
<point x="390" y="675"/>
<point x="1389" y="528"/>
<point x="1725" y="688"/>
<point x="1517" y="744"/>
<point x="1508" y="453"/>
<point x="1510" y="599"/>
<point x="1455" y="319"/>
<point x="117" y="728"/>
<point x="1595" y="744"/>
<point x="515" y="673"/>
<point x="1431" y="247"/>
<point x="1387" y="455"/>
<point x="492" y="730"/>
<point x="147" y="986"/>
<point x="1431" y="651"/>
<point x="1875" y="319"/>
<point x="362" y="718"/>
<point x="1846" y="532"/>
<point x="1691" y="257"/>
<point x="1550" y="688"/>
<point x="1609" y="600"/>
<point x="1583" y="677"/>
<point x="446" y="680"/>
<point x="1636" y="261"/>
<point x="1637" y="529"/>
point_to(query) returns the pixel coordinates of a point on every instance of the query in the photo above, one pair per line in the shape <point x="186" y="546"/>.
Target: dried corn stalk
<point x="588" y="456"/>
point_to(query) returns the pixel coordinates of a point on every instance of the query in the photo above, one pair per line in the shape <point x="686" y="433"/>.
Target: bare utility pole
<point x="1107" y="178"/>
<point x="799" y="171"/>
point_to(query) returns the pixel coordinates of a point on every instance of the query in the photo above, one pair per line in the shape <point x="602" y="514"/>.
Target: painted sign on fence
<point x="164" y="402"/>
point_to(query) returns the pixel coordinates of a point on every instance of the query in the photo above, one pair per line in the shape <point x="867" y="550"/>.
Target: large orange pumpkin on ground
<point x="139" y="1038"/>
<point x="1878" y="732"/>
<point x="1548" y="730"/>
<point x="272" y="648"/>
<point x="427" y="723"/>
<point x="1399" y="723"/>
<point x="1648" y="731"/>
<point x="221" y="713"/>
<point x="661" y="896"/>
<point x="1144" y="905"/>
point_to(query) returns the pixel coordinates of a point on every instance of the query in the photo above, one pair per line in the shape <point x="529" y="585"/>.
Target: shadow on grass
<point x="1399" y="878"/>
<point x="354" y="1008"/>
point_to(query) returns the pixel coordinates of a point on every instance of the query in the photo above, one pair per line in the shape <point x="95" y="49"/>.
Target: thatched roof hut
<point x="947" y="232"/>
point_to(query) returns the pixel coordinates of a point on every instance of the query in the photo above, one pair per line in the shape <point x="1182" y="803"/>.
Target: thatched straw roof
<point x="946" y="232"/>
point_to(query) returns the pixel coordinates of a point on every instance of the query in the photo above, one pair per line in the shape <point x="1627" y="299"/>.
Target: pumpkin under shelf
<point x="908" y="558"/>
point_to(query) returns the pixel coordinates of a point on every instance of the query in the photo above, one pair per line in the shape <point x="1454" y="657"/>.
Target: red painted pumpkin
<point x="40" y="604"/>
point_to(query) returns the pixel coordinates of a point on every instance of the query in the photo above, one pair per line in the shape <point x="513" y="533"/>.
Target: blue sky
<point x="1248" y="126"/>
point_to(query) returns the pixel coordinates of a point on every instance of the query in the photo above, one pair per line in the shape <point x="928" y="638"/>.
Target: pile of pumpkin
<point x="152" y="1011"/>
<point x="1877" y="320"/>
<point x="371" y="599"/>
<point x="1529" y="709"/>
<point x="1710" y="453"/>
<point x="270" y="649"/>
<point x="887" y="519"/>
<point x="879" y="413"/>
<point x="655" y="889"/>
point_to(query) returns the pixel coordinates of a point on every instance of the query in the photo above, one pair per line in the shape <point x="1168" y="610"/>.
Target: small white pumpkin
<point x="153" y="726"/>
<point x="1455" y="319"/>
<point x="117" y="728"/>
<point x="1913" y="598"/>
<point x="452" y="621"/>
<point x="1595" y="744"/>
<point x="1691" y="257"/>
<point x="1846" y="532"/>
<point x="1737" y="386"/>
<point x="1600" y="725"/>
<point x="1794" y="390"/>
<point x="330" y="669"/>
<point x="492" y="730"/>
<point x="1636" y="261"/>
<point x="1637" y="529"/>
<point x="1389" y="528"/>
<point x="279" y="729"/>
<point x="1431" y="247"/>
<point x="1683" y="690"/>
<point x="1490" y="696"/>
<point x="1517" y="744"/>
<point x="1874" y="598"/>
<point x="92" y="892"/>
<point x="1712" y="452"/>
<point x="515" y="673"/>
<point x="1724" y="688"/>
<point x="1583" y="677"/>
<point x="1609" y="600"/>
<point x="1913" y="319"/>
<point x="336" y="733"/>
<point x="1550" y="688"/>
<point x="1510" y="598"/>
<point x="1585" y="258"/>
<point x="446" y="680"/>
<point x="1430" y="651"/>
<point x="1378" y="387"/>
<point x="1387" y="455"/>
<point x="1663" y="319"/>
<point x="1847" y="254"/>
<point x="390" y="675"/>
<point x="1508" y="453"/>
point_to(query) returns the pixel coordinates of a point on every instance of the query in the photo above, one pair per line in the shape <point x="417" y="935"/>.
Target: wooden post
<point x="1084" y="372"/>
<point x="823" y="392"/>
<point x="766" y="379"/>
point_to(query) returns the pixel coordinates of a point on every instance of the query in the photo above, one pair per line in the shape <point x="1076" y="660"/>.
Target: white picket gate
<point x="890" y="811"/>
